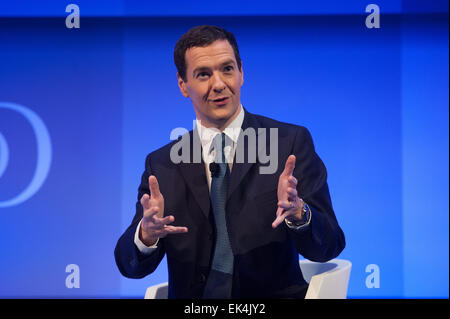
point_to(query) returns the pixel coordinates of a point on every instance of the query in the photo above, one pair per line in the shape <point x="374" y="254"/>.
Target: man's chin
<point x="223" y="115"/>
<point x="225" y="120"/>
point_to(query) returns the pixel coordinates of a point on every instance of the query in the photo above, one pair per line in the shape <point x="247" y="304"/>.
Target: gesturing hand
<point x="153" y="224"/>
<point x="290" y="206"/>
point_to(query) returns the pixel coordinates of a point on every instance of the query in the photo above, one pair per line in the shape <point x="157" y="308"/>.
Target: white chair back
<point x="326" y="280"/>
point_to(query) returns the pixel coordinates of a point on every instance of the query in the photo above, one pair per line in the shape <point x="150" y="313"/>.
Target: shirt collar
<point x="232" y="131"/>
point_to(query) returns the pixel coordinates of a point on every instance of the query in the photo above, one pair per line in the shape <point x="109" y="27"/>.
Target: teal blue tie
<point x="219" y="282"/>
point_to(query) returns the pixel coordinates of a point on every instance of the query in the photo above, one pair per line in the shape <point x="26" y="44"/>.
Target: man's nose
<point x="218" y="85"/>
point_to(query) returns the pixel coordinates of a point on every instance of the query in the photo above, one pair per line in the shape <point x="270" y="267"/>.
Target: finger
<point x="165" y="220"/>
<point x="292" y="192"/>
<point x="279" y="211"/>
<point x="279" y="219"/>
<point x="145" y="201"/>
<point x="285" y="205"/>
<point x="289" y="166"/>
<point x="175" y="229"/>
<point x="292" y="181"/>
<point x="154" y="186"/>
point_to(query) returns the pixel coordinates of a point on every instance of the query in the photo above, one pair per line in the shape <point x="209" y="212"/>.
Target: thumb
<point x="289" y="166"/>
<point x="154" y="186"/>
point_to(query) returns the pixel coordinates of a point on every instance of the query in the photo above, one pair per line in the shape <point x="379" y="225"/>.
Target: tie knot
<point x="219" y="145"/>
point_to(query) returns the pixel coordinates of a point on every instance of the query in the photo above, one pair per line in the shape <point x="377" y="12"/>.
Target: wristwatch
<point x="306" y="212"/>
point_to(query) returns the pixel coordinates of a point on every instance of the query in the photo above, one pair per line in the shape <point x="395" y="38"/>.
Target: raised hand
<point x="290" y="206"/>
<point x="153" y="224"/>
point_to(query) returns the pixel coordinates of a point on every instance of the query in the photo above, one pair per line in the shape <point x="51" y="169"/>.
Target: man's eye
<point x="202" y="75"/>
<point x="228" y="68"/>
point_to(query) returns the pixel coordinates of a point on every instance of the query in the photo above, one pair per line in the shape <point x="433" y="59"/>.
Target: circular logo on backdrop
<point x="44" y="154"/>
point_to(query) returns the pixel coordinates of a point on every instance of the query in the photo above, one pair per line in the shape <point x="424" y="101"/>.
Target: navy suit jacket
<point x="265" y="259"/>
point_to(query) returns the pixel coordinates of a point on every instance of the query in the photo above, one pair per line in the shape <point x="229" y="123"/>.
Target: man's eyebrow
<point x="200" y="68"/>
<point x="205" y="68"/>
<point x="230" y="61"/>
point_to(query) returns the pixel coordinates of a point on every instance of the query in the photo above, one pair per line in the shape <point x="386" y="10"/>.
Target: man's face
<point x="213" y="83"/>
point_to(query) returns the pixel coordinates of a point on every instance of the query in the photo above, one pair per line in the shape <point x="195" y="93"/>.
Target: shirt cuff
<point x="145" y="250"/>
<point x="302" y="226"/>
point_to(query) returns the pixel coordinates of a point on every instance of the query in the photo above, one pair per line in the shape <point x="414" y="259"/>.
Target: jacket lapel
<point x="240" y="169"/>
<point x="194" y="174"/>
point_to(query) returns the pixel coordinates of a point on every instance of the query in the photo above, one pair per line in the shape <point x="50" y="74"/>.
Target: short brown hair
<point x="201" y="36"/>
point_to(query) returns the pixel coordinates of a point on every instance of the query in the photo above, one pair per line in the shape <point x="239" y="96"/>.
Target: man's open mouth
<point x="221" y="99"/>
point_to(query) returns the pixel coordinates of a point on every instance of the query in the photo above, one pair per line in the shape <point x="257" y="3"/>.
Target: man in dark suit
<point x="230" y="226"/>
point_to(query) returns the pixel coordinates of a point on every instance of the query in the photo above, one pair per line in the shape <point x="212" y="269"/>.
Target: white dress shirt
<point x="207" y="136"/>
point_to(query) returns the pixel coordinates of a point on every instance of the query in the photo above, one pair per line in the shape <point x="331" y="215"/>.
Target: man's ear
<point x="182" y="86"/>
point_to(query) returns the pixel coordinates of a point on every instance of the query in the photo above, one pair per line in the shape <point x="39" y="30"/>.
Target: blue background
<point x="375" y="101"/>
